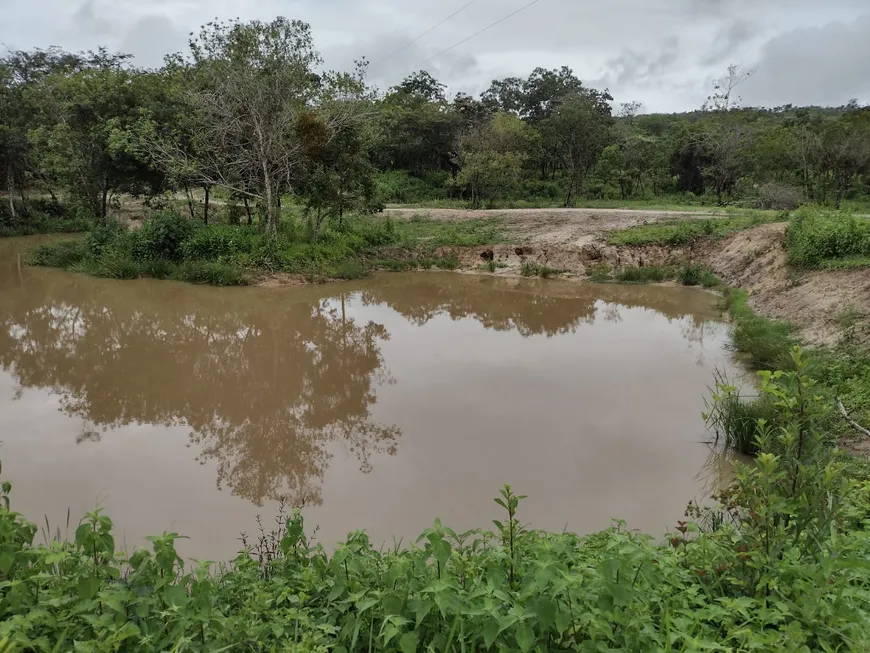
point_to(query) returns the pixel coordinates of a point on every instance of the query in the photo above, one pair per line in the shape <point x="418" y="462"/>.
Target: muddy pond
<point x="378" y="404"/>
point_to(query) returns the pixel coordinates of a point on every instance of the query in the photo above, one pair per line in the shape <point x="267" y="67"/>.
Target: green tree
<point x="578" y="130"/>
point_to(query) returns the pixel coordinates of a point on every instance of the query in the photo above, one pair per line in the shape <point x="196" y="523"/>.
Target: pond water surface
<point x="378" y="404"/>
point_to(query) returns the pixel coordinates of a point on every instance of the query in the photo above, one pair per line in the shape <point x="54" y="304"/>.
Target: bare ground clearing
<point x="575" y="240"/>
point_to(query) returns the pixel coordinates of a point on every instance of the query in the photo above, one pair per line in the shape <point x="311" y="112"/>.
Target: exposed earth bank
<point x="821" y="304"/>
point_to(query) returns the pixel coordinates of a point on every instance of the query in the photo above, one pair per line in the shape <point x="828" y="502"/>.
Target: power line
<point x="488" y="27"/>
<point x="427" y="32"/>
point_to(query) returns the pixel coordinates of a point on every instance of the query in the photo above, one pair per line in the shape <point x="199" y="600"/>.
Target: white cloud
<point x="661" y="52"/>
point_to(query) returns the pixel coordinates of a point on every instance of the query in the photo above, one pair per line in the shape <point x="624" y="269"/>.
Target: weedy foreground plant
<point x="778" y="564"/>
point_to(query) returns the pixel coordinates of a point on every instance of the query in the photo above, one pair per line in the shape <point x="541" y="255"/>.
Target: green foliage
<point x="399" y="187"/>
<point x="62" y="254"/>
<point x="818" y="238"/>
<point x="735" y="419"/>
<point x="531" y="269"/>
<point x="777" y="563"/>
<point x="599" y="273"/>
<point x="684" y="232"/>
<point x="644" y="274"/>
<point x="695" y="274"/>
<point x="163" y="236"/>
<point x="209" y="272"/>
<point x="766" y="343"/>
<point x="219" y="241"/>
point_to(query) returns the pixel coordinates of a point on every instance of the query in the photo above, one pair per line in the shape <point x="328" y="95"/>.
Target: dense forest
<point x="250" y="114"/>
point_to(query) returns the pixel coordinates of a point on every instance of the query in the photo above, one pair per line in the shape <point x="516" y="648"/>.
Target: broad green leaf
<point x="490" y="632"/>
<point x="525" y="637"/>
<point x="408" y="642"/>
<point x="88" y="586"/>
<point x="6" y="560"/>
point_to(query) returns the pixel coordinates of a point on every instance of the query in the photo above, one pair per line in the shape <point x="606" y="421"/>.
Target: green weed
<point x="684" y="232"/>
<point x="209" y="272"/>
<point x="695" y="274"/>
<point x="643" y="274"/>
<point x="62" y="254"/>
<point x="819" y="238"/>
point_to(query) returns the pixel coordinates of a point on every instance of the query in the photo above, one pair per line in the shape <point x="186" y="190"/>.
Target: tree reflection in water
<point x="270" y="382"/>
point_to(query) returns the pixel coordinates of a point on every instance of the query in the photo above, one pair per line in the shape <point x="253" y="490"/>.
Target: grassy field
<point x="169" y="246"/>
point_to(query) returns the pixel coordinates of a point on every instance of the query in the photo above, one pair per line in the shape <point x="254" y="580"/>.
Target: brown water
<point x="379" y="404"/>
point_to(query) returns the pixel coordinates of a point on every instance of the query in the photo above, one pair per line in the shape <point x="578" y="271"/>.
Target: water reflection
<point x="443" y="385"/>
<point x="263" y="386"/>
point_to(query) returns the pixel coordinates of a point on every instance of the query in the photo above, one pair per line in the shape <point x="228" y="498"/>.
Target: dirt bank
<point x="562" y="227"/>
<point x="820" y="303"/>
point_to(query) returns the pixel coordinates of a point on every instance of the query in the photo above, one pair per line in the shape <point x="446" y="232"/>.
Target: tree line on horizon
<point x="250" y="112"/>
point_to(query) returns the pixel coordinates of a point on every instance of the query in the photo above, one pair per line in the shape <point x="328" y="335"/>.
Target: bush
<point x="400" y="187"/>
<point x="767" y="343"/>
<point x="816" y="237"/>
<point x="211" y="243"/>
<point x="779" y="197"/>
<point x="350" y="270"/>
<point x="695" y="274"/>
<point x="59" y="255"/>
<point x="103" y="236"/>
<point x="644" y="274"/>
<point x="162" y="236"/>
<point x="735" y="420"/>
<point x="209" y="272"/>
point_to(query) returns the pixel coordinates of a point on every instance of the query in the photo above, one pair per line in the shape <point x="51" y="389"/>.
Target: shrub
<point x="350" y="270"/>
<point x="103" y="236"/>
<point x="695" y="274"/>
<point x="163" y="235"/>
<point x="767" y="343"/>
<point x="779" y="197"/>
<point x="213" y="242"/>
<point x="59" y="255"/>
<point x="209" y="272"/>
<point x="643" y="274"/>
<point x="735" y="419"/>
<point x="117" y="265"/>
<point x="817" y="236"/>
<point x="158" y="268"/>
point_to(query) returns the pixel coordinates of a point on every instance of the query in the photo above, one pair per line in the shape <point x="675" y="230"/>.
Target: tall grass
<point x="168" y="245"/>
<point x="684" y="232"/>
<point x="819" y="238"/>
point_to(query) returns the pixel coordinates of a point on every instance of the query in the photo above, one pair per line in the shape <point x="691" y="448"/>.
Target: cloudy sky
<point x="663" y="53"/>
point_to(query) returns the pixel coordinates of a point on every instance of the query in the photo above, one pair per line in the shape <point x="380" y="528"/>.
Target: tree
<point x="579" y="128"/>
<point x="724" y="96"/>
<point x="845" y="151"/>
<point x="491" y="155"/>
<point x="85" y="117"/>
<point x="250" y="83"/>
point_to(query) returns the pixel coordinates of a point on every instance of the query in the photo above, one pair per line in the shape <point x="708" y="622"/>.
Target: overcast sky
<point x="663" y="53"/>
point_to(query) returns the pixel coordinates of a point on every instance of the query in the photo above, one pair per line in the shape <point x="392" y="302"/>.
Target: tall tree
<point x="579" y="128"/>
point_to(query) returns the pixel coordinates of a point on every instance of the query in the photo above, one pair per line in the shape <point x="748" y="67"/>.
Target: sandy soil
<point x="574" y="240"/>
<point x="815" y="302"/>
<point x="563" y="227"/>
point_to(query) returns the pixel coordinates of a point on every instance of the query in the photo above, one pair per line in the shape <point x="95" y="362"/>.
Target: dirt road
<point x="558" y="227"/>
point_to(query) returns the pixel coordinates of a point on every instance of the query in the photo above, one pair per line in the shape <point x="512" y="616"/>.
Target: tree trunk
<point x="248" y="210"/>
<point x="205" y="204"/>
<point x="190" y="206"/>
<point x="104" y="204"/>
<point x="10" y="183"/>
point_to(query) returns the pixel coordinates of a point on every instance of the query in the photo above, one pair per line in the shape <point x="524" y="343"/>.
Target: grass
<point x="766" y="343"/>
<point x="644" y="274"/>
<point x="42" y="224"/>
<point x="169" y="245"/>
<point x="695" y="274"/>
<point x="819" y="238"/>
<point x="531" y="269"/>
<point x="684" y="232"/>
<point x="735" y="419"/>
